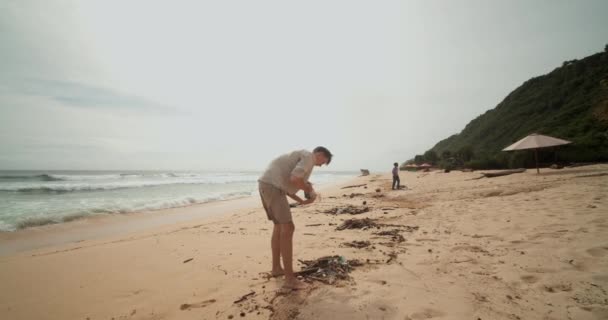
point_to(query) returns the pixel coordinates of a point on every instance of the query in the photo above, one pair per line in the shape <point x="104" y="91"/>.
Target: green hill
<point x="570" y="102"/>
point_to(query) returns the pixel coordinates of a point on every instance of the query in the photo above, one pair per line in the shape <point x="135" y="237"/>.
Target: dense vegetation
<point x="571" y="102"/>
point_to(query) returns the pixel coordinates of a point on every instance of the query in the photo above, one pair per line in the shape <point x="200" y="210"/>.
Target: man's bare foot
<point x="277" y="273"/>
<point x="294" y="284"/>
<point x="273" y="274"/>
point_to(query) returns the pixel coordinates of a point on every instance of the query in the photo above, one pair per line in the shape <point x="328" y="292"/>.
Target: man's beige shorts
<point x="275" y="203"/>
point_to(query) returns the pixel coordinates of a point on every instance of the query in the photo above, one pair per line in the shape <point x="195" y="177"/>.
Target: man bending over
<point x="283" y="178"/>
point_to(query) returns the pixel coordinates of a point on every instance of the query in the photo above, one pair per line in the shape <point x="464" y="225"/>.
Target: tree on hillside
<point x="446" y="154"/>
<point x="419" y="159"/>
<point x="465" y="153"/>
<point x="430" y="156"/>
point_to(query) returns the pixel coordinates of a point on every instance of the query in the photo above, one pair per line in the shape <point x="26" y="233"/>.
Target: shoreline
<point x="100" y="226"/>
<point x="44" y="222"/>
<point x="20" y="217"/>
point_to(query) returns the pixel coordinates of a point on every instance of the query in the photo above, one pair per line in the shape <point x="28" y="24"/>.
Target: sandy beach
<point x="523" y="246"/>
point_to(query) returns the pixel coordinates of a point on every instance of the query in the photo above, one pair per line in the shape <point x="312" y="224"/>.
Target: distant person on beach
<point x="283" y="178"/>
<point x="396" y="181"/>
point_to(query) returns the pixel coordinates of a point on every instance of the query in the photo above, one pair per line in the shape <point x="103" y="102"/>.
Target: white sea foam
<point x="37" y="198"/>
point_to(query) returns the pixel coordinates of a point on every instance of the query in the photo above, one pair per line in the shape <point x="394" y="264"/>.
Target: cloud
<point x="84" y="95"/>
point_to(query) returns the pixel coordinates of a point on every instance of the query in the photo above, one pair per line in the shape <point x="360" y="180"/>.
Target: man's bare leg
<point x="286" y="248"/>
<point x="276" y="252"/>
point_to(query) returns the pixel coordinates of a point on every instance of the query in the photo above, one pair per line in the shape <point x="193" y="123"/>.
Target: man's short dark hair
<point x="325" y="152"/>
<point x="395" y="164"/>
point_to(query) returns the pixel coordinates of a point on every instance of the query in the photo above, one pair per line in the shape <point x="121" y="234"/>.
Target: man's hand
<point x="312" y="195"/>
<point x="309" y="188"/>
<point x="301" y="201"/>
<point x="307" y="201"/>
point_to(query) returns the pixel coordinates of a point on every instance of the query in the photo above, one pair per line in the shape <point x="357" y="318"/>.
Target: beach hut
<point x="426" y="167"/>
<point x="410" y="167"/>
<point x="536" y="141"/>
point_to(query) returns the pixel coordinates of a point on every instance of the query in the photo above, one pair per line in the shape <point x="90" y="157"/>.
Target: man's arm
<point x="298" y="174"/>
<point x="299" y="200"/>
<point x="301" y="183"/>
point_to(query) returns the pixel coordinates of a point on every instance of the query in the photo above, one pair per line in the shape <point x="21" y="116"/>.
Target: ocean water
<point x="30" y="198"/>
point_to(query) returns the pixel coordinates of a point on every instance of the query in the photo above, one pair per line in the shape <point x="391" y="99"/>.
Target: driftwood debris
<point x="401" y="227"/>
<point x="352" y="195"/>
<point x="357" y="224"/>
<point x="409" y="228"/>
<point x="502" y="173"/>
<point x="329" y="269"/>
<point x="243" y="298"/>
<point x="357" y="244"/>
<point x="394" y="234"/>
<point x="499" y="174"/>
<point x="202" y="304"/>
<point x="392" y="256"/>
<point x="188" y="260"/>
<point x="581" y="164"/>
<point x="367" y="223"/>
<point x="350" y="209"/>
<point x="592" y="175"/>
<point x="354" y="186"/>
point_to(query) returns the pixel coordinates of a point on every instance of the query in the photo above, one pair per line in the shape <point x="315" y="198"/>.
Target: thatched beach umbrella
<point x="536" y="141"/>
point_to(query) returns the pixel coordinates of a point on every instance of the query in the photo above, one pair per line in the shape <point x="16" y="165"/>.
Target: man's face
<point x="320" y="159"/>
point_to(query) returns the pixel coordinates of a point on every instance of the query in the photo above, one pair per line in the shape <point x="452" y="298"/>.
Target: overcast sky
<point x="231" y="84"/>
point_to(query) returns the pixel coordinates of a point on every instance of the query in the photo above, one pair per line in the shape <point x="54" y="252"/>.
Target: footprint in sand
<point x="518" y="241"/>
<point x="530" y="278"/>
<point x="598" y="251"/>
<point x="545" y="235"/>
<point x="202" y="304"/>
<point x="601" y="278"/>
<point x="476" y="249"/>
<point x="599" y="312"/>
<point x="539" y="270"/>
<point x="579" y="265"/>
<point x="566" y="287"/>
<point x="426" y="313"/>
